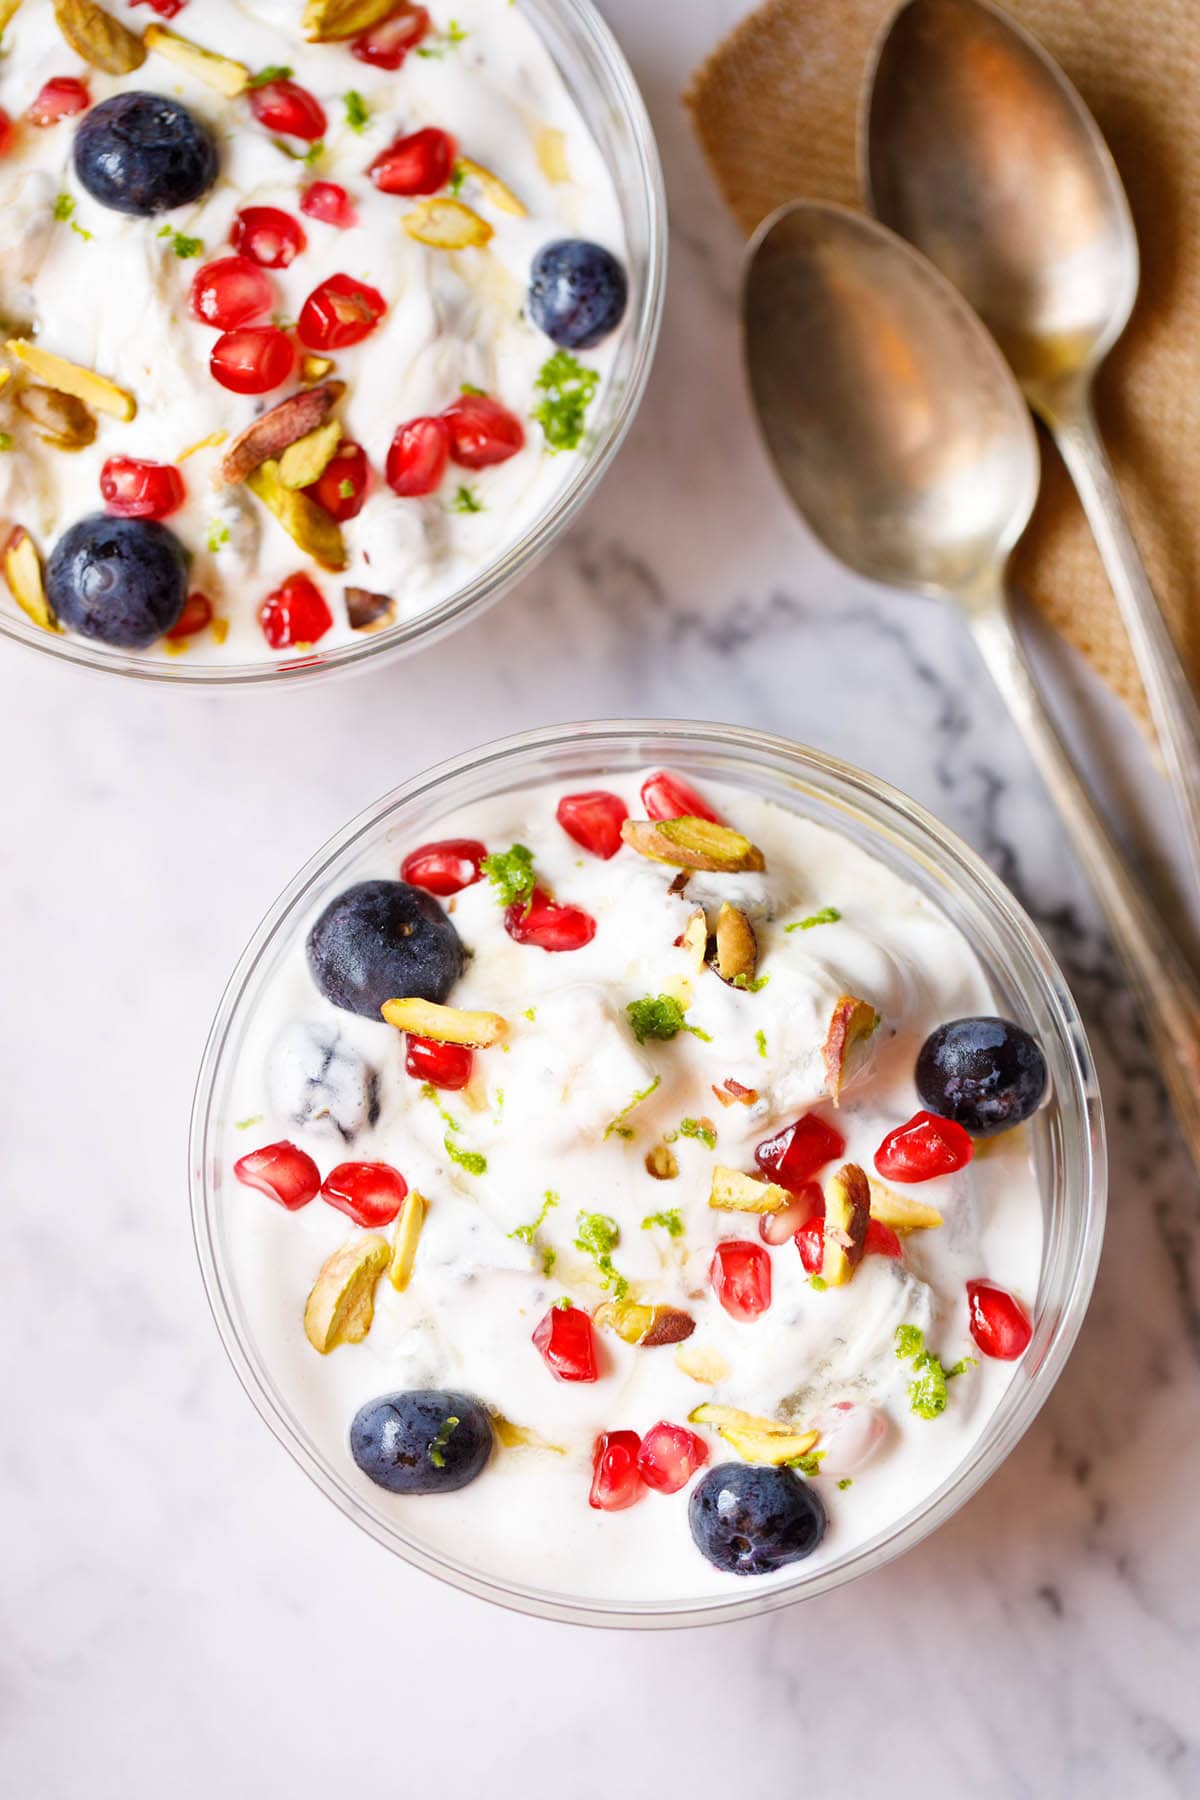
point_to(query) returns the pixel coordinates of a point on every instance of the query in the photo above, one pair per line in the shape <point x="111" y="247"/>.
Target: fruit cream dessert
<point x="630" y="1191"/>
<point x="306" y="307"/>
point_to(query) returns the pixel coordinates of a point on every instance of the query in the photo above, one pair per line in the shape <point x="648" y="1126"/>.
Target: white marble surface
<point x="180" y="1612"/>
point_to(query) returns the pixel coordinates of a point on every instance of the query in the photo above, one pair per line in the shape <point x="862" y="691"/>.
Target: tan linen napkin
<point x="774" y="108"/>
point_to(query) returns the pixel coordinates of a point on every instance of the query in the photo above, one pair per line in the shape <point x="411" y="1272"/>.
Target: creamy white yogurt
<point x="538" y="1112"/>
<point x="108" y="292"/>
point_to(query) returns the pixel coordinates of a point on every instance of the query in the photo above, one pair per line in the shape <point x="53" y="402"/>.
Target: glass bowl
<point x="602" y="86"/>
<point x="1067" y="1134"/>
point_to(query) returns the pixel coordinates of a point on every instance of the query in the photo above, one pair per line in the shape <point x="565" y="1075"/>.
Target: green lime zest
<point x="598" y="1236"/>
<point x="511" y="875"/>
<point x="441" y="1440"/>
<point x="569" y="389"/>
<point x="358" y="113"/>
<point x="660" y="1017"/>
<point x="617" y="1126"/>
<point x="699" y="1129"/>
<point x="828" y="915"/>
<point x="276" y="72"/>
<point x="760" y="1038"/>
<point x="670" y="1221"/>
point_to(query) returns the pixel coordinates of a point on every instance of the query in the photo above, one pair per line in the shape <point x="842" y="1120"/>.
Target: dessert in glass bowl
<point x="630" y="1185"/>
<point x="321" y="316"/>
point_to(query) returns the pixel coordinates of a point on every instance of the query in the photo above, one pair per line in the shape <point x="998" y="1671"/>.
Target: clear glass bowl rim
<point x="1082" y="1188"/>
<point x="580" y="20"/>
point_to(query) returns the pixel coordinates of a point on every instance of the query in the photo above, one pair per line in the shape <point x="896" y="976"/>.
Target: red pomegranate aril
<point x="923" y="1149"/>
<point x="881" y="1240"/>
<point x="60" y="98"/>
<point x="442" y="1065"/>
<point x="339" y="313"/>
<point x="616" y="1482"/>
<point x="565" y="1340"/>
<point x="166" y="9"/>
<point x="230" y="292"/>
<point x="416" y="462"/>
<point x="326" y="201"/>
<point x="282" y="1172"/>
<point x="132" y="489"/>
<point x="370" y="1193"/>
<point x="253" y="360"/>
<point x="548" y="925"/>
<point x="445" y="867"/>
<point x="810" y="1242"/>
<point x="421" y="163"/>
<point x="386" y="45"/>
<point x="6" y="131"/>
<point x="594" y="820"/>
<point x="267" y="236"/>
<point x="286" y="107"/>
<point x="999" y="1323"/>
<point x="793" y="1156"/>
<point x="669" y="1457"/>
<point x="777" y="1228"/>
<point x="342" y="487"/>
<point x="667" y="796"/>
<point x="196" y="615"/>
<point x="740" y="1273"/>
<point x="482" y="432"/>
<point x="295" y="613"/>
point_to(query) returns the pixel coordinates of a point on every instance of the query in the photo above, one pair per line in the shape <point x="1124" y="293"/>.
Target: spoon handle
<point x="1173" y="705"/>
<point x="1160" y="977"/>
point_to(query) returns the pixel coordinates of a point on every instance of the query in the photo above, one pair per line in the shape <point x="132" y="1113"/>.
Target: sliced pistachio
<point x="316" y="368"/>
<point x="671" y="1326"/>
<point x="901" y="1213"/>
<point x="699" y="1363"/>
<point x="445" y="1024"/>
<point x="517" y="1437"/>
<point x="59" y="419"/>
<point x="447" y="225"/>
<point x="213" y="441"/>
<point x="731" y="1191"/>
<point x="342" y="1302"/>
<point x="412" y="1217"/>
<point x="757" y="1439"/>
<point x="661" y="1162"/>
<point x="69" y="378"/>
<point x="307" y="459"/>
<point x="649" y="1326"/>
<point x="219" y="72"/>
<point x="102" y="41"/>
<point x="23" y="573"/>
<point x="847" y="1216"/>
<point x="736" y="956"/>
<point x="551" y="152"/>
<point x="695" y="938"/>
<point x="732" y="1093"/>
<point x="693" y="844"/>
<point x="850" y="1024"/>
<point x="8" y="12"/>
<point x="325" y="21"/>
<point x="367" y="611"/>
<point x="276" y="431"/>
<point x="306" y="524"/>
<point x="496" y="191"/>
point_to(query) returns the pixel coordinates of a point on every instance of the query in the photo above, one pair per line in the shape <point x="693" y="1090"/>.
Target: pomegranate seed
<point x="565" y="1340"/>
<point x="231" y="292"/>
<point x="924" y="1148"/>
<point x="616" y="1483"/>
<point x="132" y="489"/>
<point x="387" y="44"/>
<point x="253" y="360"/>
<point x="294" y="613"/>
<point x="445" y="867"/>
<point x="999" y="1323"/>
<point x="338" y="313"/>
<point x="777" y="1228"/>
<point x="370" y="1193"/>
<point x="810" y="1242"/>
<point x="442" y="1065"/>
<point x="267" y="236"/>
<point x="793" y="1156"/>
<point x="669" y="1457"/>
<point x="421" y="163"/>
<point x="482" y="431"/>
<point x="342" y="486"/>
<point x="166" y="9"/>
<point x="6" y="131"/>
<point x="282" y="1172"/>
<point x="740" y="1272"/>
<point x="667" y="796"/>
<point x="326" y="201"/>
<point x="286" y="107"/>
<point x="197" y="613"/>
<point x="594" y="820"/>
<point x="881" y="1240"/>
<point x="60" y="98"/>
<point x="850" y="1435"/>
<point x="417" y="459"/>
<point x="550" y="926"/>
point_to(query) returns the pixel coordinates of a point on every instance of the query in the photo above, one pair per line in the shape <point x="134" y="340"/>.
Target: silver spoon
<point x="976" y="148"/>
<point x="902" y="438"/>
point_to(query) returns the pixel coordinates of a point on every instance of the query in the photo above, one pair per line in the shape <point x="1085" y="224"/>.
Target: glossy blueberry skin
<point x="143" y="154"/>
<point x="750" y="1520"/>
<point x="399" y="1439"/>
<point x="383" y="940"/>
<point x="987" y="1074"/>
<point x="123" y="581"/>
<point x="577" y="292"/>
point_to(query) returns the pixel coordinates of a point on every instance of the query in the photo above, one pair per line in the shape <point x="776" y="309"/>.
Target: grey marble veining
<point x="182" y="1613"/>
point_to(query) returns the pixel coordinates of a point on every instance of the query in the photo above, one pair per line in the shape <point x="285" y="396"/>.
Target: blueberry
<point x="383" y="940"/>
<point x="424" y="1442"/>
<point x="986" y="1074"/>
<point x="142" y="153"/>
<point x="577" y="292"/>
<point x="751" y="1520"/>
<point x="123" y="581"/>
<point x="316" y="1078"/>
